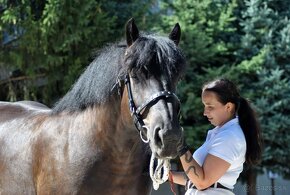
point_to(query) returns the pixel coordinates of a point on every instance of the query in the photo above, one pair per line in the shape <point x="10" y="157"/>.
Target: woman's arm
<point x="203" y="177"/>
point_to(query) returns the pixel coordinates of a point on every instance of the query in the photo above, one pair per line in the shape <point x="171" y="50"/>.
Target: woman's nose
<point x="205" y="112"/>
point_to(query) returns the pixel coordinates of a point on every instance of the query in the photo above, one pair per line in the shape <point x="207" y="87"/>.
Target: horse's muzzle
<point x="165" y="142"/>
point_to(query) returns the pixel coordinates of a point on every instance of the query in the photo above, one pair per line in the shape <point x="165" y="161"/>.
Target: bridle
<point x="163" y="165"/>
<point x="136" y="111"/>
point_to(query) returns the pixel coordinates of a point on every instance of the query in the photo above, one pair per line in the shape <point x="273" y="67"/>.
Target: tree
<point x="52" y="39"/>
<point x="266" y="25"/>
<point x="50" y="42"/>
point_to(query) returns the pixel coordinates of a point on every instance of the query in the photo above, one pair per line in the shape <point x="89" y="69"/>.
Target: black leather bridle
<point x="136" y="112"/>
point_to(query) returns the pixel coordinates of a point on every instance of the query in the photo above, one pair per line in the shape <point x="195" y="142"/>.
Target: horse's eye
<point x="133" y="73"/>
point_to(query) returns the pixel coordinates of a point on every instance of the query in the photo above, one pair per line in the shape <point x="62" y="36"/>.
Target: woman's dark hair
<point x="227" y="91"/>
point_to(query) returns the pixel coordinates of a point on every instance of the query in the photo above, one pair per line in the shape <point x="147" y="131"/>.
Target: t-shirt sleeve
<point x="227" y="146"/>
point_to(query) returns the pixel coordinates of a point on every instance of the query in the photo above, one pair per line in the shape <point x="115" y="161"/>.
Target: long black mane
<point x="155" y="54"/>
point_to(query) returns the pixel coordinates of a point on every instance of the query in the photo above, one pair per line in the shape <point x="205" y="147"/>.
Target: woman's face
<point x="216" y="112"/>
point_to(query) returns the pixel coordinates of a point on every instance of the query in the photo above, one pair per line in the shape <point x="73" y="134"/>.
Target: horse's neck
<point x="110" y="133"/>
<point x="118" y="147"/>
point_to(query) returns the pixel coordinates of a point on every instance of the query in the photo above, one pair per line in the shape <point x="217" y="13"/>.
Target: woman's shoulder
<point x="229" y="144"/>
<point x="233" y="133"/>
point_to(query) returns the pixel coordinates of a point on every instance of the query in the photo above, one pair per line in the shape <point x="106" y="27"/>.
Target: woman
<point x="215" y="167"/>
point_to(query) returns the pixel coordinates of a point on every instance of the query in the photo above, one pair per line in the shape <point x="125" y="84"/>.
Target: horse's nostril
<point x="158" y="137"/>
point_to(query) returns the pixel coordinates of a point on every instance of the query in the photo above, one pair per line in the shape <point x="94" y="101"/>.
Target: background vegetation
<point x="46" y="44"/>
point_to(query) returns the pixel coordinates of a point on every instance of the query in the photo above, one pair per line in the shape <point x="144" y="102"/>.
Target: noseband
<point x="136" y="112"/>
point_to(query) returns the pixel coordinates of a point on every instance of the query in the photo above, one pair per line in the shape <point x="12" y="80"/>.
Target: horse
<point x="98" y="138"/>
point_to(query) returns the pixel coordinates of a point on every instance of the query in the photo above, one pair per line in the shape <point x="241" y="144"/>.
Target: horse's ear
<point x="175" y="34"/>
<point x="132" y="32"/>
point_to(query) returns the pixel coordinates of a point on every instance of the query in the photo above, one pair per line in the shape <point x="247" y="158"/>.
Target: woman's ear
<point x="230" y="107"/>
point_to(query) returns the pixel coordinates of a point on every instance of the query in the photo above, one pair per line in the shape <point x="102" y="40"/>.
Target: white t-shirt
<point x="228" y="143"/>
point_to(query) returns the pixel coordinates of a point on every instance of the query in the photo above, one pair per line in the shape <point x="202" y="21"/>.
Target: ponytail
<point x="251" y="128"/>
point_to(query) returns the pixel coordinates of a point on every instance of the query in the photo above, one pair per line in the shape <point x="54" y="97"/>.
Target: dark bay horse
<point x="88" y="143"/>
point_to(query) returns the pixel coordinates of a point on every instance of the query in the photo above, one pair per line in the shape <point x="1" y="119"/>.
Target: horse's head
<point x="153" y="67"/>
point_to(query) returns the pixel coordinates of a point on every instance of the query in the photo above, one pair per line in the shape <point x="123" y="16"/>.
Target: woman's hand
<point x="182" y="147"/>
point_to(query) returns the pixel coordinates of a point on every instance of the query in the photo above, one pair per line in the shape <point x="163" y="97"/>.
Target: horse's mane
<point x="158" y="55"/>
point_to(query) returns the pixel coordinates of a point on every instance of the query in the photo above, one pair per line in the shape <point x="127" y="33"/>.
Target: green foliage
<point x="272" y="102"/>
<point x="71" y="30"/>
<point x="145" y="12"/>
<point x="266" y="25"/>
<point x="205" y="27"/>
<point x="54" y="40"/>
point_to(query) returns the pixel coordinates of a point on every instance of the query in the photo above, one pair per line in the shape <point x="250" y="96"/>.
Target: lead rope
<point x="170" y="179"/>
<point x="162" y="164"/>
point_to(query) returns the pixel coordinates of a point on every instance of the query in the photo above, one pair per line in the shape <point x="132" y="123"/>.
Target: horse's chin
<point x="160" y="154"/>
<point x="169" y="152"/>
